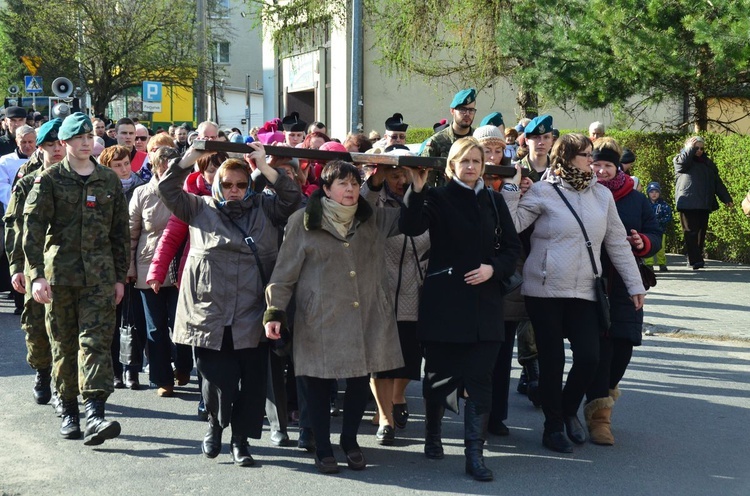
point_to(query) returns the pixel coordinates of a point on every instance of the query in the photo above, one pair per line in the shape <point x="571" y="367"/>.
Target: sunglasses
<point x="141" y="138"/>
<point x="228" y="185"/>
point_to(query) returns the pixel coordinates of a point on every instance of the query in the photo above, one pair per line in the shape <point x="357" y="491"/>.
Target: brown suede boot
<point x="598" y="413"/>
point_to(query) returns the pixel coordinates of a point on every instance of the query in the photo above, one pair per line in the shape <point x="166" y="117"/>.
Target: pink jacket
<point x="175" y="234"/>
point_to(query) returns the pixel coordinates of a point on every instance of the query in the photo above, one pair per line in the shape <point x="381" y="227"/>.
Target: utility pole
<point x="200" y="80"/>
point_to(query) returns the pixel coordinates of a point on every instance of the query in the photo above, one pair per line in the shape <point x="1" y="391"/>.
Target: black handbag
<point x="130" y="347"/>
<point x="512" y="282"/>
<point x="600" y="286"/>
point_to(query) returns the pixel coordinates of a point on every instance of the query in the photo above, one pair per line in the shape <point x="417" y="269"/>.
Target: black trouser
<point x="694" y="227"/>
<point x="276" y="401"/>
<point x="318" y="396"/>
<point x="452" y="368"/>
<point x="501" y="374"/>
<point x="614" y="358"/>
<point x="555" y="319"/>
<point x="234" y="385"/>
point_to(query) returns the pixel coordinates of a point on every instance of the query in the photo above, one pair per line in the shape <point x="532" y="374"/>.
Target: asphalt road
<point x="680" y="429"/>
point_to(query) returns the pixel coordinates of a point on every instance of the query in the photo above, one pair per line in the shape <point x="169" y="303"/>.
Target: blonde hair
<point x="112" y="153"/>
<point x="458" y="150"/>
<point x="159" y="140"/>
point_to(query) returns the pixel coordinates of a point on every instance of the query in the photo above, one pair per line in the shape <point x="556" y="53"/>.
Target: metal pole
<point x="247" y="104"/>
<point x="200" y="80"/>
<point x="356" y="82"/>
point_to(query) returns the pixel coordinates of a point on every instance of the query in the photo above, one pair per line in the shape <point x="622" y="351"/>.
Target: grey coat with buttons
<point x="344" y="323"/>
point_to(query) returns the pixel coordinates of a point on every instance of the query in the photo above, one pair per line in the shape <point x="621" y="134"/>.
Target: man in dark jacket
<point x="697" y="184"/>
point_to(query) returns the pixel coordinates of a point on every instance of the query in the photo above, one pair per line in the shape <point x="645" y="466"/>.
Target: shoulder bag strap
<point x="583" y="229"/>
<point x="249" y="241"/>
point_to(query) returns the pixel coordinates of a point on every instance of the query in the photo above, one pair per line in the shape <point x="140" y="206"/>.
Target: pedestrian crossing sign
<point x="33" y="84"/>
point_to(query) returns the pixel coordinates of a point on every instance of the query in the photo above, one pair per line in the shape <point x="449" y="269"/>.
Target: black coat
<point x="636" y="213"/>
<point x="697" y="183"/>
<point x="462" y="237"/>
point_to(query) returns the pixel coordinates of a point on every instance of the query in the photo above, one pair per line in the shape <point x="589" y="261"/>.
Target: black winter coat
<point x="462" y="237"/>
<point x="636" y="213"/>
<point x="697" y="183"/>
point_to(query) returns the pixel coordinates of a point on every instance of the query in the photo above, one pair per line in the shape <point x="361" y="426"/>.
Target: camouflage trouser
<point x="39" y="353"/>
<point x="526" y="342"/>
<point x="81" y="321"/>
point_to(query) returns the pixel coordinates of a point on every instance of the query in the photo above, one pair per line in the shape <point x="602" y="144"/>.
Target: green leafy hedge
<point x="729" y="230"/>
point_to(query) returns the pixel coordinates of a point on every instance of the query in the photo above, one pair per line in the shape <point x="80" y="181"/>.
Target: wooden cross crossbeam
<point x="325" y="155"/>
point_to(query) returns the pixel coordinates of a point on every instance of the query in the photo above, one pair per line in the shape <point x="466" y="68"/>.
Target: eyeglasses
<point x="141" y="138"/>
<point x="465" y="110"/>
<point x="397" y="136"/>
<point x="228" y="185"/>
<point x="587" y="155"/>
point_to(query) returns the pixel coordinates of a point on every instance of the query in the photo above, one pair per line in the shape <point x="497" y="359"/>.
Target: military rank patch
<point x="90" y="201"/>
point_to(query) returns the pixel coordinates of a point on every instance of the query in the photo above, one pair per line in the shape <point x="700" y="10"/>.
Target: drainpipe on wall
<point x="356" y="102"/>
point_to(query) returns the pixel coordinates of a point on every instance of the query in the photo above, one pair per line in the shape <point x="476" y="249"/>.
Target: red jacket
<point x="175" y="234"/>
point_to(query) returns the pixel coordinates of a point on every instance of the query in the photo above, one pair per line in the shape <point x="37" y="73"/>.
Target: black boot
<point x="240" y="453"/>
<point x="475" y="433"/>
<point x="42" y="389"/>
<point x="97" y="428"/>
<point x="433" y="421"/>
<point x="523" y="382"/>
<point x="71" y="426"/>
<point x="212" y="441"/>
<point x="532" y="373"/>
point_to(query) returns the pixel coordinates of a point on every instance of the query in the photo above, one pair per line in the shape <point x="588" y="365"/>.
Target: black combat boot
<point x="433" y="422"/>
<point x="71" y="427"/>
<point x="532" y="391"/>
<point x="240" y="454"/>
<point x="475" y="434"/>
<point x="42" y="389"/>
<point x="97" y="429"/>
<point x="212" y="441"/>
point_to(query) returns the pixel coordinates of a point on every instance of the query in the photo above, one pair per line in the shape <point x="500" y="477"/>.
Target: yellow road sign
<point x="31" y="63"/>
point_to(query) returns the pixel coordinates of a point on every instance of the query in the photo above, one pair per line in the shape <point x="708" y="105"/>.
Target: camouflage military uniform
<point x="38" y="354"/>
<point x="77" y="236"/>
<point x="439" y="144"/>
<point x="533" y="174"/>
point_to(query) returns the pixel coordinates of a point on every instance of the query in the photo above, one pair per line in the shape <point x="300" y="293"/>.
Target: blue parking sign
<point x="151" y="91"/>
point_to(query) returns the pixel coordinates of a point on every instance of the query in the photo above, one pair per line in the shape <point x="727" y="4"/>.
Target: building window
<point x="221" y="52"/>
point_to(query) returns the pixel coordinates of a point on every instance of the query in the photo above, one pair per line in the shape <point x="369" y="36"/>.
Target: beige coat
<point x="221" y="284"/>
<point x="344" y="323"/>
<point x="148" y="218"/>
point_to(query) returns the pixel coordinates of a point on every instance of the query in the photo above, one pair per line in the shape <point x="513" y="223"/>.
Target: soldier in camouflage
<point x="76" y="242"/>
<point x="463" y="110"/>
<point x="39" y="354"/>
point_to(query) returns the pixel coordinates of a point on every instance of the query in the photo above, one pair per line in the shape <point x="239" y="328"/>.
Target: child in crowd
<point x="663" y="214"/>
<point x="511" y="147"/>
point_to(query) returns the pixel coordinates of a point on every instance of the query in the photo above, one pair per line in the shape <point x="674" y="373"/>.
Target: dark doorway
<point x="302" y="102"/>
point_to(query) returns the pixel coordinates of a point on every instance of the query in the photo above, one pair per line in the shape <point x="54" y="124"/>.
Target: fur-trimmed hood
<point x="314" y="210"/>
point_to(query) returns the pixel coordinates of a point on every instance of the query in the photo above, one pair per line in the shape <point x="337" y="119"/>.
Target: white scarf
<point x="340" y="217"/>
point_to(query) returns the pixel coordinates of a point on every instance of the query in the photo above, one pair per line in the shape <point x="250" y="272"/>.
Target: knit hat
<point x="489" y="135"/>
<point x="653" y="186"/>
<point x="333" y="146"/>
<point x="75" y="124"/>
<point x="628" y="157"/>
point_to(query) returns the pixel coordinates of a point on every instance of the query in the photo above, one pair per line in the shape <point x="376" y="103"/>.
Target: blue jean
<point x="159" y="309"/>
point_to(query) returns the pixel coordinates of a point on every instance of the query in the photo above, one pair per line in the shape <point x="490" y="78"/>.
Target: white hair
<point x="596" y="126"/>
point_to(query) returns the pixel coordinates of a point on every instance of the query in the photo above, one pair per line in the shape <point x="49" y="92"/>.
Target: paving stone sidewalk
<point x="707" y="303"/>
